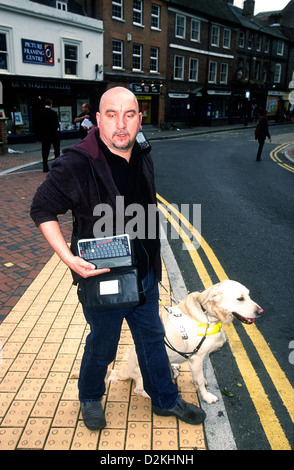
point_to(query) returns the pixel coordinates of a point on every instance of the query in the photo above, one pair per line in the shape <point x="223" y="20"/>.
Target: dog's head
<point x="230" y="299"/>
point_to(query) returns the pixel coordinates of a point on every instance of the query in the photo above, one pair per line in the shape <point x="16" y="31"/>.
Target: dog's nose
<point x="259" y="311"/>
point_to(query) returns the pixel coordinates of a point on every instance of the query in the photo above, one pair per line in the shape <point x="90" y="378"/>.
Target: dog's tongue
<point x="248" y="321"/>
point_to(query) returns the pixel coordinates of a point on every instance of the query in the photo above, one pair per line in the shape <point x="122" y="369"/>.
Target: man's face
<point x="119" y="120"/>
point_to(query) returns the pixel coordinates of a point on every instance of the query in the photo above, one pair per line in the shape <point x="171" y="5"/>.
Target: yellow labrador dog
<point x="193" y="329"/>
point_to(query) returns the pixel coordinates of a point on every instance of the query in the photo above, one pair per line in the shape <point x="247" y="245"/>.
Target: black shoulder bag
<point x="115" y="290"/>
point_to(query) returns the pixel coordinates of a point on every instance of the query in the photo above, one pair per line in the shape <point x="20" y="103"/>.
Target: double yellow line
<point x="276" y="159"/>
<point x="261" y="401"/>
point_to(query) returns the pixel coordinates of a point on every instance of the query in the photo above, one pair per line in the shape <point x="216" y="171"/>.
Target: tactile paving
<point x="43" y="341"/>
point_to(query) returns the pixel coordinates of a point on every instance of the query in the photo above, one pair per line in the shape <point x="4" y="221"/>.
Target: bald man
<point x="121" y="169"/>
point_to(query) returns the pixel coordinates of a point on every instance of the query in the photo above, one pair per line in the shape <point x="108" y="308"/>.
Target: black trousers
<point x="46" y="144"/>
<point x="261" y="141"/>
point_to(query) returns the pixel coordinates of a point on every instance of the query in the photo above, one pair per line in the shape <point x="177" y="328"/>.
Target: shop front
<point x="147" y="95"/>
<point x="24" y="97"/>
<point x="217" y="107"/>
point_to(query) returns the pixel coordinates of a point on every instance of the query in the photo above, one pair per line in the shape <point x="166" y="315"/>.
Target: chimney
<point x="248" y="9"/>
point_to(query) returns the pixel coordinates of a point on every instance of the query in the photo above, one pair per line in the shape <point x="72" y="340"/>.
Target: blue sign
<point x="36" y="52"/>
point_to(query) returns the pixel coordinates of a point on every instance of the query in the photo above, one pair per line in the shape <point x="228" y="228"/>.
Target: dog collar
<point x="206" y="329"/>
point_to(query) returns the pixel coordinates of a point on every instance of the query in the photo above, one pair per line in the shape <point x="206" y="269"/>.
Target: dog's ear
<point x="212" y="295"/>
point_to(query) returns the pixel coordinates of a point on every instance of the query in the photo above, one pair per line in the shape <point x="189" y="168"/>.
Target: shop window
<point x="117" y="9"/>
<point x="195" y="30"/>
<point x="138" y="12"/>
<point x="70" y="59"/>
<point x="117" y="54"/>
<point x="179" y="68"/>
<point x="193" y="70"/>
<point x="154" y="54"/>
<point x="3" y="52"/>
<point x="155" y="16"/>
<point x="180" y="26"/>
<point x="178" y="110"/>
<point x="137" y="57"/>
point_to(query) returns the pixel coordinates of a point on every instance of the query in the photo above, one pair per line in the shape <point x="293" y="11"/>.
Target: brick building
<point x="135" y="50"/>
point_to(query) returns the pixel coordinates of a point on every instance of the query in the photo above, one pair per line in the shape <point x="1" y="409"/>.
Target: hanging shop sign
<point x="36" y="52"/>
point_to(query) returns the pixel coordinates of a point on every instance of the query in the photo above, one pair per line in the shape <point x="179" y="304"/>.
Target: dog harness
<point x="176" y="318"/>
<point x="182" y="324"/>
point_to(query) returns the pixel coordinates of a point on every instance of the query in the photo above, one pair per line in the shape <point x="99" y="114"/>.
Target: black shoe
<point x="186" y="412"/>
<point x="93" y="415"/>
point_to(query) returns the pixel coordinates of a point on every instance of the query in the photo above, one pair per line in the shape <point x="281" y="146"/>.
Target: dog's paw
<point x="175" y="371"/>
<point x="141" y="392"/>
<point x="114" y="376"/>
<point x="209" y="397"/>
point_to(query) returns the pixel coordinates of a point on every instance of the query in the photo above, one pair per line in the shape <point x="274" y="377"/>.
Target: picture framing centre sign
<point x="36" y="52"/>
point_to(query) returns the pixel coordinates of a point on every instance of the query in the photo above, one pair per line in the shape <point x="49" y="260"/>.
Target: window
<point x="277" y="75"/>
<point x="258" y="43"/>
<point x="250" y="41"/>
<point x="280" y="50"/>
<point x="242" y="39"/>
<point x="264" y="72"/>
<point x="61" y="6"/>
<point x="3" y="52"/>
<point x="137" y="57"/>
<point x="227" y="38"/>
<point x="138" y="12"/>
<point x="180" y="26"/>
<point x="193" y="70"/>
<point x="257" y="71"/>
<point x="195" y="30"/>
<point x="178" y="67"/>
<point x="266" y="45"/>
<point x="117" y="54"/>
<point x="117" y="9"/>
<point x="71" y="59"/>
<point x="224" y="73"/>
<point x="155" y="16"/>
<point x="212" y="72"/>
<point x="154" y="54"/>
<point x="215" y="36"/>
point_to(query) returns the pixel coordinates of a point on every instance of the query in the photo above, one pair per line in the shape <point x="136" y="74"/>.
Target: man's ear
<point x="98" y="118"/>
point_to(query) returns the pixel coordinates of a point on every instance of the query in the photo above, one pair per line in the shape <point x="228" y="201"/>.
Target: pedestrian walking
<point x="86" y="117"/>
<point x="48" y="132"/>
<point x="121" y="168"/>
<point x="261" y="133"/>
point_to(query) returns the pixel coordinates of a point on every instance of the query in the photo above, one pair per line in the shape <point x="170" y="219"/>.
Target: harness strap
<point x="185" y="355"/>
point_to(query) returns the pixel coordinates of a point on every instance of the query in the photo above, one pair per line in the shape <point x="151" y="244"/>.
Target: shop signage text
<point x="36" y="52"/>
<point x="146" y="88"/>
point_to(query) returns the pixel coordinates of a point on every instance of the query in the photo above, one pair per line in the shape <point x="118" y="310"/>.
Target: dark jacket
<point x="261" y="131"/>
<point x="48" y="124"/>
<point x="70" y="186"/>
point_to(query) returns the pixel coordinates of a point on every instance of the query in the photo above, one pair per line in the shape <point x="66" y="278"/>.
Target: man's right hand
<point x="84" y="268"/>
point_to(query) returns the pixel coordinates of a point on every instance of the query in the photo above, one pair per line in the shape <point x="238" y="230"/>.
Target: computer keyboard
<point x="106" y="252"/>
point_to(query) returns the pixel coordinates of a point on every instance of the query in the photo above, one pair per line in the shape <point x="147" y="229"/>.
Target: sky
<point x="265" y="5"/>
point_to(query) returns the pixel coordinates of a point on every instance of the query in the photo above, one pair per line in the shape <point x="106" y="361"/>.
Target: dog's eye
<point x="241" y="299"/>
